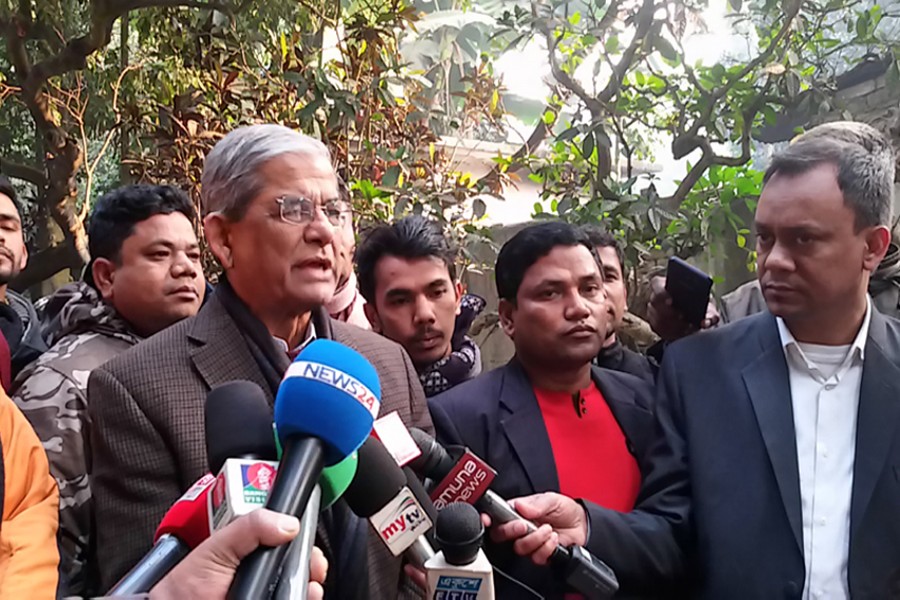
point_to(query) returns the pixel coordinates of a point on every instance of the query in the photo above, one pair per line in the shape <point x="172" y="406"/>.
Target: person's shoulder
<point x="481" y="391"/>
<point x="76" y="354"/>
<point x="361" y="339"/>
<point x="725" y="339"/>
<point x="168" y="347"/>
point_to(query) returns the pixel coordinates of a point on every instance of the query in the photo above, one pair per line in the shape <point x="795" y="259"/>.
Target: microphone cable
<point x="512" y="579"/>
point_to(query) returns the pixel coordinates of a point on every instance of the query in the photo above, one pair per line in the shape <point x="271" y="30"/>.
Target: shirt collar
<point x="310" y="336"/>
<point x="857" y="347"/>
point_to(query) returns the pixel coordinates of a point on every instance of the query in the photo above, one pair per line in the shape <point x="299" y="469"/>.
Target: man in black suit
<point x="777" y="471"/>
<point x="547" y="418"/>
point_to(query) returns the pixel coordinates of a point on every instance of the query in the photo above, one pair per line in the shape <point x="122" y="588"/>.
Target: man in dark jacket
<point x="18" y="321"/>
<point x="269" y="195"/>
<point x="546" y="419"/>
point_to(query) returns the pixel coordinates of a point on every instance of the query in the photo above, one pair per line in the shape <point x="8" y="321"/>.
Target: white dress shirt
<point x="825" y="383"/>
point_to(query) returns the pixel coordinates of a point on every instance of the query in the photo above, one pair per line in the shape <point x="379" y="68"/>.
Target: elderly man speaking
<point x="269" y="196"/>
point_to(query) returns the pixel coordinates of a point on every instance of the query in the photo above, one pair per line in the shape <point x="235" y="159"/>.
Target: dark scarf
<point x="464" y="361"/>
<point x="345" y="534"/>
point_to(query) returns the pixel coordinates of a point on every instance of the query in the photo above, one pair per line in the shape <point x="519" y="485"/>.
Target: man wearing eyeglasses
<point x="270" y="201"/>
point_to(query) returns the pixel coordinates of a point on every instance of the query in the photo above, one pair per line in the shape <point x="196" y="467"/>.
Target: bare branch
<point x="643" y="20"/>
<point x="25" y="172"/>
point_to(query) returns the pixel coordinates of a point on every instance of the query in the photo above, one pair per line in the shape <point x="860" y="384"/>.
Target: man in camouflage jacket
<point x="144" y="275"/>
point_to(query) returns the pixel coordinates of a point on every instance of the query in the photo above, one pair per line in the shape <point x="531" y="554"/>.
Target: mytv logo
<point x="336" y="379"/>
<point x="409" y="514"/>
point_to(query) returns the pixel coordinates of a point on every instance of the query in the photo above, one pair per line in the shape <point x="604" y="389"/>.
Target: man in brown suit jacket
<point x="268" y="196"/>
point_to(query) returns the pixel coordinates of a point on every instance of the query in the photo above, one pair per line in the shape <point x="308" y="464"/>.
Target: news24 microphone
<point x="379" y="493"/>
<point x="183" y="528"/>
<point x="467" y="480"/>
<point x="324" y="410"/>
<point x="460" y="569"/>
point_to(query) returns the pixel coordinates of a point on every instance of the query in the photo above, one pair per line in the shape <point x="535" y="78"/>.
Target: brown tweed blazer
<point x="147" y="428"/>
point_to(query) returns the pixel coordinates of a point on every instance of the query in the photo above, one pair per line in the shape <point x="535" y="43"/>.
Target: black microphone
<point x="582" y="571"/>
<point x="238" y="424"/>
<point x="380" y="493"/>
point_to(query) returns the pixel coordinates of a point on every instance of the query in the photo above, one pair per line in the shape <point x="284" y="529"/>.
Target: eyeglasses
<point x="298" y="210"/>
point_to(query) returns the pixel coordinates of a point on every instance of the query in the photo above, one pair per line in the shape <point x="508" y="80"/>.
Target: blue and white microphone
<point x="324" y="410"/>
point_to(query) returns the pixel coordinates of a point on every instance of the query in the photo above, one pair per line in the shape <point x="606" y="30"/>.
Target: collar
<point x="858" y="347"/>
<point x="310" y="336"/>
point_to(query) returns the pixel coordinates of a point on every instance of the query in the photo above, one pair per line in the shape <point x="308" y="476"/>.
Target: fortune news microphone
<point x="324" y="410"/>
<point x="460" y="569"/>
<point x="467" y="480"/>
<point x="379" y="493"/>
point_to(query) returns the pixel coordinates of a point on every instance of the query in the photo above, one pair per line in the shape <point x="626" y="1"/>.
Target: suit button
<point x="792" y="590"/>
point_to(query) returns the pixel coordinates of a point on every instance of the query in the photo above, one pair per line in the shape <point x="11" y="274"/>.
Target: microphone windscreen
<point x="378" y="480"/>
<point x="330" y="392"/>
<point x="458" y="532"/>
<point x="238" y="423"/>
<point x="188" y="518"/>
<point x="336" y="479"/>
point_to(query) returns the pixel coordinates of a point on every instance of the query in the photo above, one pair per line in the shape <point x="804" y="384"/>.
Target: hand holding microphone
<point x="209" y="569"/>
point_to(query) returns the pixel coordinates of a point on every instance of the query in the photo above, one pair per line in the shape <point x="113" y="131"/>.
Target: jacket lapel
<point x="524" y="427"/>
<point x="634" y="420"/>
<point x="219" y="351"/>
<point x="878" y="416"/>
<point x="768" y="385"/>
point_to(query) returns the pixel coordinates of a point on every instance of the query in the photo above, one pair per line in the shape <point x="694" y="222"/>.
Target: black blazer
<point x="497" y="416"/>
<point x="721" y="501"/>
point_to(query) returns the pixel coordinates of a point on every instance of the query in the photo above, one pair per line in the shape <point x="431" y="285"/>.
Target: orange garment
<point x="29" y="555"/>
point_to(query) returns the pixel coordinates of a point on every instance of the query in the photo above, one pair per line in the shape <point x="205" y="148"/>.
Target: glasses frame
<point x="335" y="211"/>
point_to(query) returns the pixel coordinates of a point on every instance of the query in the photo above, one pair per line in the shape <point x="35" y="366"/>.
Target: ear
<point x="372" y="316"/>
<point x="216" y="229"/>
<point x="104" y="273"/>
<point x="459" y="295"/>
<point x="877" y="241"/>
<point x="506" y="310"/>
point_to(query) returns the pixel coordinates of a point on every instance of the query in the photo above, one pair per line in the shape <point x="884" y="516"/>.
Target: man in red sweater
<point x="547" y="419"/>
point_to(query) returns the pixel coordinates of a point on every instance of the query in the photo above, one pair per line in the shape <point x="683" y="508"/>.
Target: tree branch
<point x="644" y="20"/>
<point x="46" y="264"/>
<point x="25" y="172"/>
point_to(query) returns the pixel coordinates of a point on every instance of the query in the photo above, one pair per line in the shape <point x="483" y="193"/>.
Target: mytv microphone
<point x="467" y="480"/>
<point x="183" y="528"/>
<point x="324" y="410"/>
<point x="379" y="493"/>
<point x="460" y="569"/>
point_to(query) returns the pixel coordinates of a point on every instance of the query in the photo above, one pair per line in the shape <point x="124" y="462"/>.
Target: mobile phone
<point x="689" y="288"/>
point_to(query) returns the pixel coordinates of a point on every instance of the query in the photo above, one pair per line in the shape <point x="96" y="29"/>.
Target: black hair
<point x="603" y="239"/>
<point x="529" y="246"/>
<point x="7" y="189"/>
<point x="115" y="215"/>
<point x="410" y="237"/>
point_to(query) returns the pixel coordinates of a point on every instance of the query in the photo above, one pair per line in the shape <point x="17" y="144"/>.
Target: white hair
<point x="231" y="178"/>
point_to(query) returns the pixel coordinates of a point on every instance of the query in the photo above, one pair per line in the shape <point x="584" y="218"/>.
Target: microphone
<point x="468" y="479"/>
<point x="183" y="528"/>
<point x="460" y="569"/>
<point x="295" y="568"/>
<point x="379" y="493"/>
<point x="240" y="448"/>
<point x="324" y="410"/>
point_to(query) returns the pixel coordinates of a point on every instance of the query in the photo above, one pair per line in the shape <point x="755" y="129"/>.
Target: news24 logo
<point x="257" y="480"/>
<point x="457" y="588"/>
<point x="336" y="379"/>
<point x="467" y="482"/>
<point x="401" y="522"/>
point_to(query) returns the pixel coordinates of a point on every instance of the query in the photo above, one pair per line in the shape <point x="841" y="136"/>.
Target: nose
<point x="577" y="306"/>
<point x="778" y="258"/>
<point x="319" y="231"/>
<point x="424" y="310"/>
<point x="183" y="266"/>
